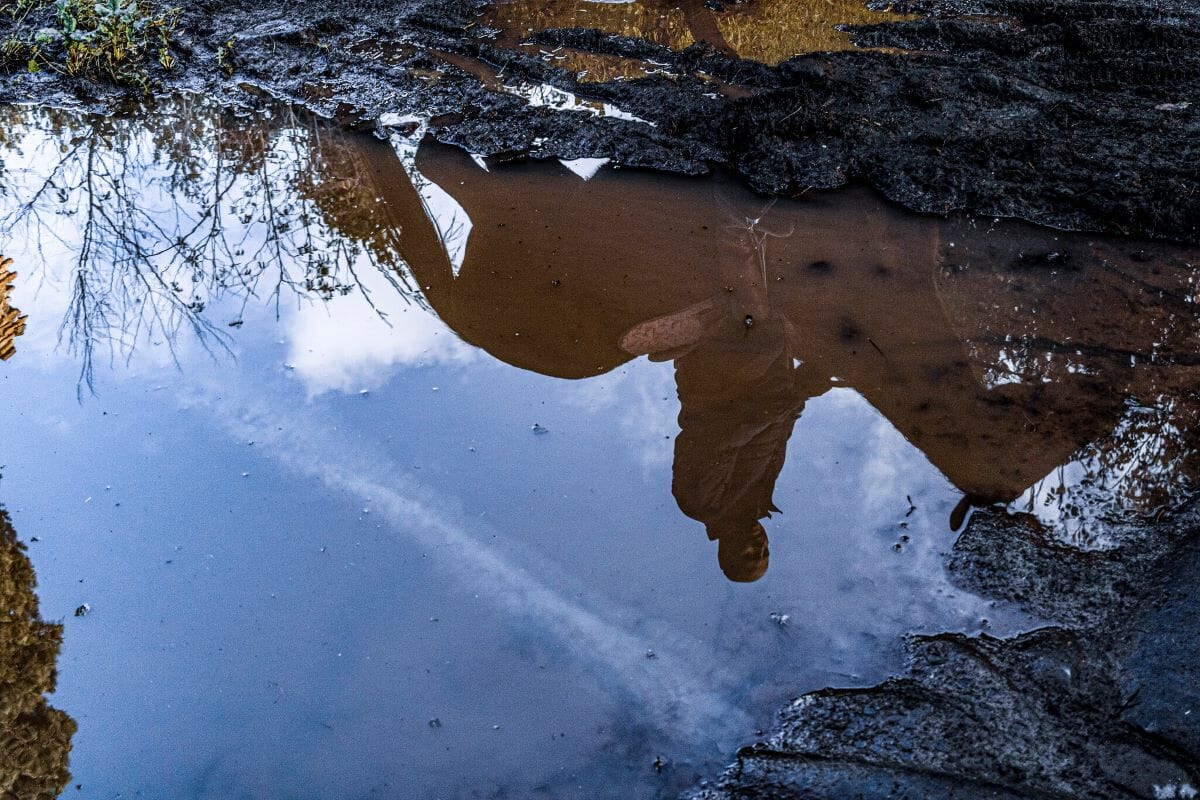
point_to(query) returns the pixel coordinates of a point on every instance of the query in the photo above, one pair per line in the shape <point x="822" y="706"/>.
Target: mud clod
<point x="1093" y="705"/>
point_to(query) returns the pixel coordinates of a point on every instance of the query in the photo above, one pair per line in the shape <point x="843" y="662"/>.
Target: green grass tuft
<point x="118" y="41"/>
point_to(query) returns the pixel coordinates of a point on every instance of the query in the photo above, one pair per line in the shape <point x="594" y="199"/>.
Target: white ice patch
<point x="585" y="168"/>
<point x="542" y="95"/>
<point x="1174" y="791"/>
<point x="398" y="120"/>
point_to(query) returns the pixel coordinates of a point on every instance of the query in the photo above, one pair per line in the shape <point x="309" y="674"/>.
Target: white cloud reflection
<point x="352" y="343"/>
<point x="669" y="692"/>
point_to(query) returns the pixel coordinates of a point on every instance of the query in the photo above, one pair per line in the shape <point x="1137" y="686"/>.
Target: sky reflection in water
<point x="312" y="507"/>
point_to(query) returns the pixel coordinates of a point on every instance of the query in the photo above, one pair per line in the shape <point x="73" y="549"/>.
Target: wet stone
<point x="1162" y="673"/>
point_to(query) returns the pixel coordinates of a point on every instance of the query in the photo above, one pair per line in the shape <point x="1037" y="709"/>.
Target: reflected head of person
<point x="742" y="554"/>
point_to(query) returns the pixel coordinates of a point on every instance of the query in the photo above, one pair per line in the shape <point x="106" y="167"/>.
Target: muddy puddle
<point x="359" y="467"/>
<point x="769" y="32"/>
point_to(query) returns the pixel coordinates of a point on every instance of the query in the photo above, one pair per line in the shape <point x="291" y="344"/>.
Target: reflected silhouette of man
<point x="687" y="280"/>
<point x="739" y="399"/>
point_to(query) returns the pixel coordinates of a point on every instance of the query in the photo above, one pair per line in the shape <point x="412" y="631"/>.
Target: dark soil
<point x="1101" y="704"/>
<point x="1078" y="114"/>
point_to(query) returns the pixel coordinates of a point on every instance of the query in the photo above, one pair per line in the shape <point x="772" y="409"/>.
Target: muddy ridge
<point x="1077" y="115"/>
<point x="1098" y="704"/>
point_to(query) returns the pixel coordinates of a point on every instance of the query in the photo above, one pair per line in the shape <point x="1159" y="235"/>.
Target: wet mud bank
<point x="1076" y="115"/>
<point x="1101" y="702"/>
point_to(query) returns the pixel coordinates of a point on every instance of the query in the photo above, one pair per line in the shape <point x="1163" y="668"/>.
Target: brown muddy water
<point x="359" y="467"/>
<point x="769" y="31"/>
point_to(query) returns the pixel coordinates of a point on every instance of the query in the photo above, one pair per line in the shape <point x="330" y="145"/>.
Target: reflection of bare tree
<point x="1135" y="331"/>
<point x="162" y="222"/>
<point x="1147" y="466"/>
<point x="35" y="739"/>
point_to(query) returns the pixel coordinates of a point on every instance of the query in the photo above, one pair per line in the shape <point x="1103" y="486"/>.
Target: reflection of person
<point x="738" y="402"/>
<point x="739" y="399"/>
<point x="545" y="285"/>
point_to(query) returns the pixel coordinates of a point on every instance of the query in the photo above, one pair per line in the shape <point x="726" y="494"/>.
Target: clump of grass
<point x="120" y="41"/>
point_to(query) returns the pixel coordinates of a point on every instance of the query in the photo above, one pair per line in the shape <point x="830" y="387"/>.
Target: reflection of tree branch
<point x="195" y="210"/>
<point x="1147" y="465"/>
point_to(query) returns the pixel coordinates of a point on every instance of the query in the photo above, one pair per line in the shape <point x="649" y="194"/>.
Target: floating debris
<point x="780" y="619"/>
<point x="538" y="430"/>
<point x="83" y="610"/>
<point x="435" y="723"/>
